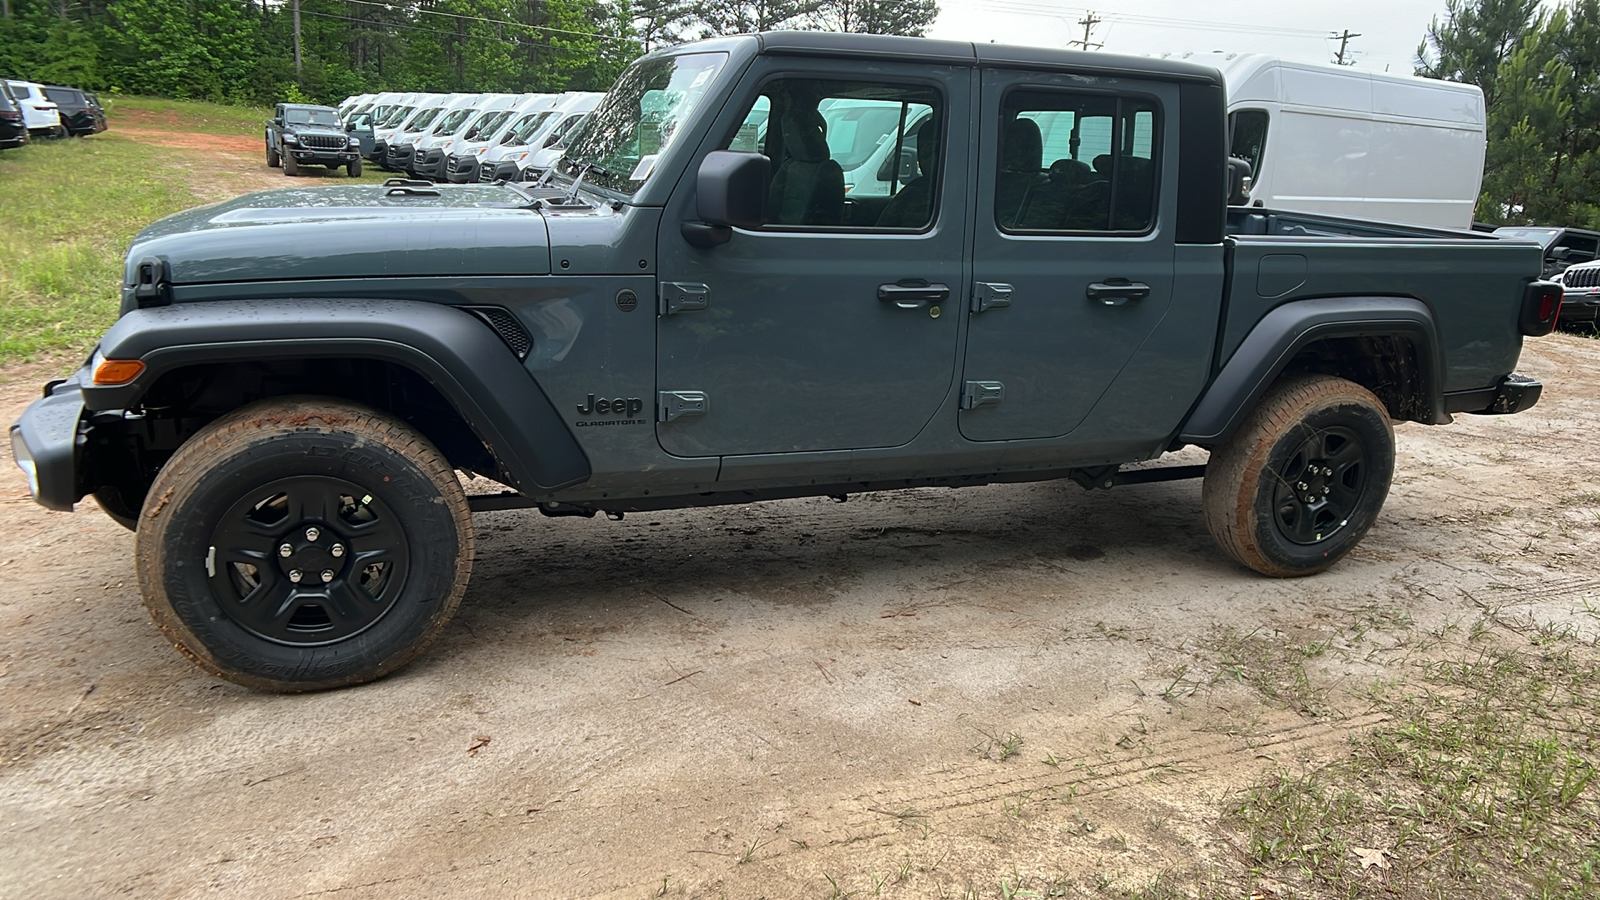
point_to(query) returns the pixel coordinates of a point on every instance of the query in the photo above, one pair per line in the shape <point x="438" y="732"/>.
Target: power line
<point x="546" y="28"/>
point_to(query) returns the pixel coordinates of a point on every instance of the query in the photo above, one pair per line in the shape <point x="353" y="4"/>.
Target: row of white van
<point x="465" y="137"/>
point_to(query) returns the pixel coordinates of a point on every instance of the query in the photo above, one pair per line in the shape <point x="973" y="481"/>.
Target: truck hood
<point x="354" y="231"/>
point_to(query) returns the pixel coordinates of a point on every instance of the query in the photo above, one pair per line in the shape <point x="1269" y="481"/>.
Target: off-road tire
<point x="273" y="159"/>
<point x="290" y="167"/>
<point x="295" y="449"/>
<point x="1256" y="482"/>
<point x="354" y="169"/>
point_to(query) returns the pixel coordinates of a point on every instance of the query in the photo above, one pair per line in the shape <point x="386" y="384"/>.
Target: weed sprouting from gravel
<point x="996" y="746"/>
<point x="1272" y="666"/>
<point x="1482" y="783"/>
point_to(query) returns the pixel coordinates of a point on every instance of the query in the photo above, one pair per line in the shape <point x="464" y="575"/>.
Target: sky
<point x="1293" y="29"/>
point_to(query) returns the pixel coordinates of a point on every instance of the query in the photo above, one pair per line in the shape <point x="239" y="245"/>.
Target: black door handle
<point x="1117" y="291"/>
<point x="913" y="294"/>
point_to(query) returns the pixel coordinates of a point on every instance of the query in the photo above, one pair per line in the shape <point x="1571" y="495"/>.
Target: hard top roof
<point x="963" y="53"/>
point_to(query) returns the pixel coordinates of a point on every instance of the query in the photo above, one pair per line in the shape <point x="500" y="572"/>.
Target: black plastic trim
<point x="1513" y="394"/>
<point x="49" y="428"/>
<point x="451" y="349"/>
<point x="1284" y="331"/>
<point x="1202" y="164"/>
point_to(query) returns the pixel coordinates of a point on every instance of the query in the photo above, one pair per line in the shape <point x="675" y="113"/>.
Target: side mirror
<point x="907" y="168"/>
<point x="732" y="193"/>
<point x="1560" y="254"/>
<point x="1238" y="182"/>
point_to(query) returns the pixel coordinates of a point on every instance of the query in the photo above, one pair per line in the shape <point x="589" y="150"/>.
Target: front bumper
<point x="398" y="157"/>
<point x="314" y="157"/>
<point x="501" y="171"/>
<point x="47" y="443"/>
<point x="430" y="166"/>
<point x="1580" y="305"/>
<point x="461" y="169"/>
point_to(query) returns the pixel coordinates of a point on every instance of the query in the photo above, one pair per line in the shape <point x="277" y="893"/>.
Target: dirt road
<point x="908" y="695"/>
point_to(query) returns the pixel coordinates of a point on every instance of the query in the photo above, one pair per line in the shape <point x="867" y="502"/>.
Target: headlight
<point x="290" y="139"/>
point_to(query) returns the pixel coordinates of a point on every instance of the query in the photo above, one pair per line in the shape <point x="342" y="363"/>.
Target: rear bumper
<point x="1514" y="394"/>
<point x="47" y="443"/>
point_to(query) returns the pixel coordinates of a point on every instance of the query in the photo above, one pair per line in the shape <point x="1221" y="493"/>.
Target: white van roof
<point x="1257" y="78"/>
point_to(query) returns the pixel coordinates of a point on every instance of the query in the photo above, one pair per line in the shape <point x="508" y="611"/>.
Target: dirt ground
<point x="796" y="699"/>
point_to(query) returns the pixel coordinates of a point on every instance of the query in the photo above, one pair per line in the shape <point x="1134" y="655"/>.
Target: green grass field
<point x="71" y="208"/>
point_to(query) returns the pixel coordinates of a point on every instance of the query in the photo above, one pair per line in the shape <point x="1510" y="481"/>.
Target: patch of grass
<point x="1271" y="665"/>
<point x="72" y="207"/>
<point x="996" y="746"/>
<point x="1483" y="783"/>
<point x="187" y="115"/>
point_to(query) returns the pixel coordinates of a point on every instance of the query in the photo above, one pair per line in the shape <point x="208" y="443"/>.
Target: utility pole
<point x="297" y="40"/>
<point x="1088" y="22"/>
<point x="1344" y="39"/>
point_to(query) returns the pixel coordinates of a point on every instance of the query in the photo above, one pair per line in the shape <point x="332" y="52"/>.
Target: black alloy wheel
<point x="1319" y="487"/>
<point x="308" y="560"/>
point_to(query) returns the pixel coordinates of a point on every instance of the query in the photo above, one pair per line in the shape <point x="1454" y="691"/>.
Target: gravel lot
<point x="912" y="694"/>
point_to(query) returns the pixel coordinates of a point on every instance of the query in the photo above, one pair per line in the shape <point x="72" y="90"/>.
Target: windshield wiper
<point x="581" y="169"/>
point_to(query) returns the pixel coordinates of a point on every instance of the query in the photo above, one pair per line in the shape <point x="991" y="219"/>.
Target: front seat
<point x="1021" y="158"/>
<point x="911" y="207"/>
<point x="808" y="188"/>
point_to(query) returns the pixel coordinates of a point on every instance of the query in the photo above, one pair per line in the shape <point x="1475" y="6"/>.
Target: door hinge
<point x="674" y="405"/>
<point x="987" y="296"/>
<point x="982" y="393"/>
<point x="679" y="297"/>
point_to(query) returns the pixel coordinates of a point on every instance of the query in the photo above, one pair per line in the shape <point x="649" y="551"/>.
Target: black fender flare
<point x="464" y="359"/>
<point x="1286" y="330"/>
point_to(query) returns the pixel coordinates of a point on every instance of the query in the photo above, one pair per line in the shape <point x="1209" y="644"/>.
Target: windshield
<point x="1543" y="235"/>
<point x="518" y="135"/>
<point x="424" y="119"/>
<point x="452" y="122"/>
<point x="554" y="139"/>
<point x="324" y="117"/>
<point x="640" y="116"/>
<point x="397" y="115"/>
<point x="486" y="125"/>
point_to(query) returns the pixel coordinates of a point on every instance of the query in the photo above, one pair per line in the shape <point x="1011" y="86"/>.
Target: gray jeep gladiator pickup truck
<point x="301" y="135"/>
<point x="694" y="311"/>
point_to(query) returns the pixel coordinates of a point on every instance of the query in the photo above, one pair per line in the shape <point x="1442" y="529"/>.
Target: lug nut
<point x="285" y="550"/>
<point x="1301" y="485"/>
<point x="1327" y="471"/>
<point x="1326" y="489"/>
<point x="295" y="575"/>
<point x="312" y="534"/>
<point x="337" y="550"/>
<point x="327" y="575"/>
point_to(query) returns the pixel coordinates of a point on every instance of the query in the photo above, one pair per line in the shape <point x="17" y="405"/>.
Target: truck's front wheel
<point x="290" y="167"/>
<point x="273" y="160"/>
<point x="1301" y="481"/>
<point x="301" y="544"/>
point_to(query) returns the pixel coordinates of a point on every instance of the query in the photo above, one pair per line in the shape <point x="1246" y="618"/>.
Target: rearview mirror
<point x="732" y="193"/>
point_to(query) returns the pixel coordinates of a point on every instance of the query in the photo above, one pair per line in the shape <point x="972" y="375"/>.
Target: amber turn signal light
<point x="113" y="372"/>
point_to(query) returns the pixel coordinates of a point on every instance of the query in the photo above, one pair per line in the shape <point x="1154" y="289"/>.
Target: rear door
<point x="834" y="326"/>
<point x="1074" y="250"/>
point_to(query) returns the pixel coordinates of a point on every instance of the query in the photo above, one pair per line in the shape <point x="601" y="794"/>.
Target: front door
<point x="834" y="326"/>
<point x="1073" y="258"/>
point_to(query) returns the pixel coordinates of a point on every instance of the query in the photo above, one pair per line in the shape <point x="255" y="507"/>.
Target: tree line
<point x="258" y="52"/>
<point x="1539" y="70"/>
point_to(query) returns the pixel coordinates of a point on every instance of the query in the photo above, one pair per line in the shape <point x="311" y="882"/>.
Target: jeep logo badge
<point x="628" y="409"/>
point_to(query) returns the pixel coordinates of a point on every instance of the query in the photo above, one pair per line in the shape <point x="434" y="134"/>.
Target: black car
<point x="13" y="131"/>
<point x="81" y="114"/>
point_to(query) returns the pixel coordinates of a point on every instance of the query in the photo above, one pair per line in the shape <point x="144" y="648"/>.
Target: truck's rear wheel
<point x="1303" y="479"/>
<point x="305" y="543"/>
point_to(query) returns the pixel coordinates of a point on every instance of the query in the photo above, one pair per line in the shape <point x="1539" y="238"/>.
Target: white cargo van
<point x="1326" y="139"/>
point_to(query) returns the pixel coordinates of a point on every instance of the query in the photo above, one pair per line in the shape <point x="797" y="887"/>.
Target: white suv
<point x="1580" y="295"/>
<point x="39" y="112"/>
